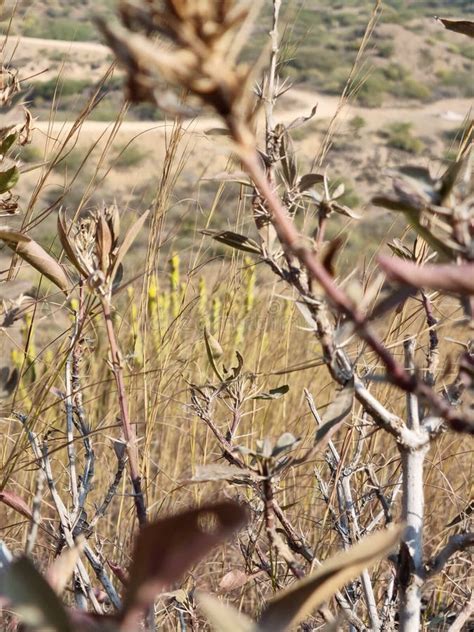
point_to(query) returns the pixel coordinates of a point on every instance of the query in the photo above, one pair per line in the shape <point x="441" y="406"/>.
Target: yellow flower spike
<point x="174" y="285"/>
<point x="216" y="313"/>
<point x="16" y="358"/>
<point x="153" y="289"/>
<point x="174" y="272"/>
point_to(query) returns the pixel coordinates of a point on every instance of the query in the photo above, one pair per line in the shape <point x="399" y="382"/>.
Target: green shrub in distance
<point x="398" y="136"/>
<point x="129" y="156"/>
<point x="371" y="93"/>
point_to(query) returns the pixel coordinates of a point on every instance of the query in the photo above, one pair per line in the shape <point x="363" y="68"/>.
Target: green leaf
<point x="293" y="605"/>
<point x="234" y="240"/>
<point x="7" y="143"/>
<point x="32" y="598"/>
<point x="9" y="178"/>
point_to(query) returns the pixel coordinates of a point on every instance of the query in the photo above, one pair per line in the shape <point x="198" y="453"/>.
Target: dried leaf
<point x="392" y="301"/>
<point x="36" y="256"/>
<point x="32" y="598"/>
<point x="16" y="502"/>
<point x="62" y="569"/>
<point x="223" y="617"/>
<point x="451" y="176"/>
<point x="166" y="549"/>
<point x="273" y="393"/>
<point x="214" y="351"/>
<point x="465" y="27"/>
<point x="222" y="472"/>
<point x="119" y="572"/>
<point x="217" y="131"/>
<point x="329" y="253"/>
<point x="285" y="442"/>
<point x="128" y="241"/>
<point x="309" y="180"/>
<point x="448" y="278"/>
<point x="294" y="604"/>
<point x="338" y="191"/>
<point x="9" y="379"/>
<point x="239" y="242"/>
<point x="301" y="120"/>
<point x="288" y="159"/>
<point x="66" y="244"/>
<point x="104" y="243"/>
<point x="345" y="210"/>
<point x="335" y="414"/>
<point x="234" y="579"/>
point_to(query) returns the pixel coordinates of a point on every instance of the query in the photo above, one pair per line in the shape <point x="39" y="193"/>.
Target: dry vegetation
<point x="170" y="338"/>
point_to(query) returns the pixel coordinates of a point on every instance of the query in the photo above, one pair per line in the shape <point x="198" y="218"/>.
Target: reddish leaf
<point x="166" y="549"/>
<point x="235" y="579"/>
<point x="448" y="278"/>
<point x="17" y="503"/>
<point x="119" y="572"/>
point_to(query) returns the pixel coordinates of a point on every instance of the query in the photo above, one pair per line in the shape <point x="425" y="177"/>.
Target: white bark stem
<point x="411" y="552"/>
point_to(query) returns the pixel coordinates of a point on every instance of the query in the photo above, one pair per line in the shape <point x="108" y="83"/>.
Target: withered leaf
<point x="66" y="243"/>
<point x="214" y="351"/>
<point x="8" y="380"/>
<point x="36" y="256"/>
<point x="129" y="238"/>
<point x="335" y="414"/>
<point x="223" y="617"/>
<point x="465" y="27"/>
<point x="32" y="598"/>
<point x="309" y="180"/>
<point x="273" y="393"/>
<point x="62" y="569"/>
<point x="166" y="549"/>
<point x="294" y="604"/>
<point x="234" y="579"/>
<point x="222" y="472"/>
<point x="229" y="238"/>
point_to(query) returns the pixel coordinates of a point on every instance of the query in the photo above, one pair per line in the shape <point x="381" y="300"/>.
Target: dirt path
<point x="437" y="114"/>
<point x="37" y="43"/>
<point x="420" y="115"/>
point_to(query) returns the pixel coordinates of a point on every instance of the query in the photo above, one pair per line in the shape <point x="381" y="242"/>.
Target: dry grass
<point x="176" y="288"/>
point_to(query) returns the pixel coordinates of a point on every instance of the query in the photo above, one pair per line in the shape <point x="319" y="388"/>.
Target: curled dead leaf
<point x="36" y="256"/>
